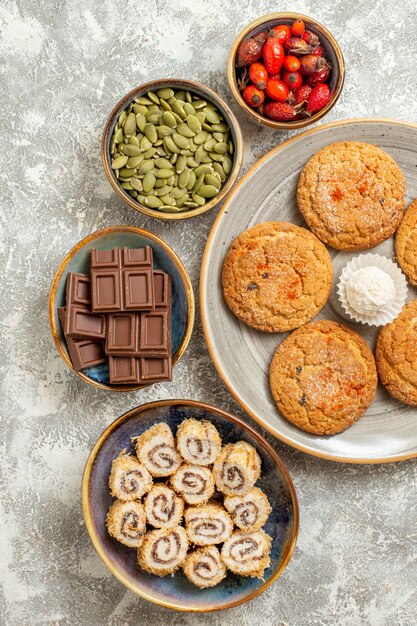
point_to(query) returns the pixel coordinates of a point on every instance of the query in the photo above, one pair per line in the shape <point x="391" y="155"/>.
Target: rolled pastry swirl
<point x="237" y="468"/>
<point x="194" y="482"/>
<point x="156" y="450"/>
<point x="207" y="524"/>
<point x="129" y="480"/>
<point x="198" y="441"/>
<point x="163" y="551"/>
<point x="247" y="554"/>
<point x="126" y="522"/>
<point x="248" y="512"/>
<point x="163" y="507"/>
<point x="204" y="567"/>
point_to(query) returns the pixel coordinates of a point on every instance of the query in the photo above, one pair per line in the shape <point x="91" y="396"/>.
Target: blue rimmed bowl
<point x="164" y="258"/>
<point x="176" y="592"/>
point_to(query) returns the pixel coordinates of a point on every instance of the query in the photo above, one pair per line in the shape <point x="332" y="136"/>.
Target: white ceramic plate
<point x="388" y="431"/>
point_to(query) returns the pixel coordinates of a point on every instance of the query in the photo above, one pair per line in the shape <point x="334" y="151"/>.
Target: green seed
<point x="201" y="137"/>
<point x="149" y="181"/>
<point x="169" y="119"/>
<point x="180" y="140"/>
<point x="139" y="109"/>
<point x="179" y="110"/>
<point x="200" y="154"/>
<point x="140" y="121"/>
<point x="198" y="183"/>
<point x="122" y="118"/>
<point x="173" y="158"/>
<point x="153" y="202"/>
<point x="193" y="147"/>
<point x="199" y="104"/>
<point x="168" y="200"/>
<point x="177" y="192"/>
<point x="207" y="191"/>
<point x="209" y="144"/>
<point x="125" y="172"/>
<point x="218" y="137"/>
<point x="145" y="144"/>
<point x="153" y="108"/>
<point x="193" y="123"/>
<point x="130" y="125"/>
<point x="131" y="150"/>
<point x="191" y="180"/>
<point x="227" y="165"/>
<point x="191" y="162"/>
<point x="172" y="180"/>
<point x="169" y="209"/>
<point x="150" y="132"/>
<point x="126" y="186"/>
<point x="180" y="164"/>
<point x="201" y="116"/>
<point x="141" y="199"/>
<point x="177" y="117"/>
<point x="215" y="156"/>
<point x="164" y="190"/>
<point x="186" y="152"/>
<point x="164" y="163"/>
<point x="170" y="144"/>
<point x="185" y="130"/>
<point x="206" y="127"/>
<point x="199" y="199"/>
<point x="163" y="131"/>
<point x="191" y="205"/>
<point x="184" y="178"/>
<point x="215" y="181"/>
<point x="188" y="97"/>
<point x="220" y="127"/>
<point x="189" y="109"/>
<point x="146" y="166"/>
<point x="133" y="140"/>
<point x="149" y="153"/>
<point x="231" y="147"/>
<point x="143" y="100"/>
<point x="136" y="183"/>
<point x="165" y="105"/>
<point x="203" y="169"/>
<point x="153" y="117"/>
<point x="152" y="96"/>
<point x="133" y="193"/>
<point x="163" y="173"/>
<point x="221" y="148"/>
<point x="180" y="95"/>
<point x="165" y="93"/>
<point x="118" y="136"/>
<point x="119" y="162"/>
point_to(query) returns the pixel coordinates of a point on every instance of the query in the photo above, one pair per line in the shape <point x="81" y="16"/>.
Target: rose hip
<point x="277" y="90"/>
<point x="293" y="80"/>
<point x="253" y="96"/>
<point x="248" y="52"/>
<point x="301" y="94"/>
<point x="258" y="75"/>
<point x="318" y="98"/>
<point x="298" y="28"/>
<point x="291" y="63"/>
<point x="309" y="64"/>
<point x="319" y="51"/>
<point x="297" y="46"/>
<point x="311" y="38"/>
<point x="280" y="111"/>
<point x="273" y="55"/>
<point x="321" y="76"/>
<point x="282" y="32"/>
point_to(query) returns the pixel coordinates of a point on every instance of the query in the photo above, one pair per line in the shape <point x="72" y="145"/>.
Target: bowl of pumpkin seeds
<point x="172" y="148"/>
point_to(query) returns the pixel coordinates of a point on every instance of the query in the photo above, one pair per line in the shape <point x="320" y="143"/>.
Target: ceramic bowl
<point x="164" y="258"/>
<point x="175" y="591"/>
<point x="203" y="92"/>
<point x="333" y="54"/>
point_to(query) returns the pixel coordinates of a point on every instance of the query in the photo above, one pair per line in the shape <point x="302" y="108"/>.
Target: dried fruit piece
<point x="291" y="63"/>
<point x="277" y="90"/>
<point x="318" y="77"/>
<point x="293" y="80"/>
<point x="258" y="75"/>
<point x="273" y="55"/>
<point x="298" y="28"/>
<point x="318" y="98"/>
<point x="311" y="38"/>
<point x="297" y="46"/>
<point x="282" y="32"/>
<point x="309" y="64"/>
<point x="280" y="111"/>
<point x="249" y="51"/>
<point x="253" y="96"/>
<point x="301" y="94"/>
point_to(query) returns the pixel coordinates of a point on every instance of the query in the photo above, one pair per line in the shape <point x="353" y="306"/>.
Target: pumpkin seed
<point x="165" y="93"/>
<point x="130" y="125"/>
<point x="180" y="95"/>
<point x="198" y="199"/>
<point x="149" y="181"/>
<point x="153" y="202"/>
<point x="136" y="183"/>
<point x="171" y="180"/>
<point x="121" y="161"/>
<point x="191" y="205"/>
<point x="231" y="147"/>
<point x="200" y="154"/>
<point x="118" y="136"/>
<point x="131" y="150"/>
<point x="152" y="96"/>
<point x="150" y="132"/>
<point x="169" y="119"/>
<point x="165" y="105"/>
<point x="193" y="147"/>
<point x="207" y="191"/>
<point x="212" y="180"/>
<point x="141" y="198"/>
<point x="220" y="127"/>
<point x="163" y="131"/>
<point x="193" y="123"/>
<point x="179" y="110"/>
<point x="164" y="163"/>
<point x="187" y="152"/>
<point x="177" y="192"/>
<point x="201" y="116"/>
<point x="139" y="109"/>
<point x="153" y="117"/>
<point x="188" y="97"/>
<point x="177" y="117"/>
<point x="163" y="173"/>
<point x="127" y="186"/>
<point x="191" y="180"/>
<point x="145" y="144"/>
<point x="184" y="178"/>
<point x="218" y="136"/>
<point x="211" y="116"/>
<point x="122" y="118"/>
<point x="146" y="166"/>
<point x="154" y="107"/>
<point x="173" y="158"/>
<point x="170" y="144"/>
<point x="191" y="162"/>
<point x="133" y="193"/>
<point x="227" y="165"/>
<point x="169" y="209"/>
<point x="185" y="130"/>
<point x="168" y="200"/>
<point x="125" y="172"/>
<point x="149" y="153"/>
<point x="221" y="148"/>
<point x="203" y="169"/>
<point x="209" y="144"/>
<point x="142" y="100"/>
<point x="180" y="164"/>
<point x="215" y="156"/>
<point x="200" y="137"/>
<point x="180" y="140"/>
<point x="133" y="140"/>
<point x="140" y="121"/>
<point x="189" y="109"/>
<point x="206" y="127"/>
<point x="164" y="190"/>
<point x="199" y="104"/>
<point x="198" y="183"/>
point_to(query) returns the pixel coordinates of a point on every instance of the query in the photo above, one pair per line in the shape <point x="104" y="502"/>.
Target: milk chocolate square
<point x="105" y="259"/>
<point x="138" y="289"/>
<point x="78" y="289"/>
<point x="137" y="257"/>
<point x="162" y="288"/>
<point x="106" y="292"/>
<point x="154" y="334"/>
<point x="122" y="334"/>
<point x="83" y="352"/>
<point x="123" y="370"/>
<point x="80" y="323"/>
<point x="155" y="369"/>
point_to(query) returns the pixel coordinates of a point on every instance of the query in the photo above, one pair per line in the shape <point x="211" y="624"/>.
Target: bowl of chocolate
<point x="121" y="309"/>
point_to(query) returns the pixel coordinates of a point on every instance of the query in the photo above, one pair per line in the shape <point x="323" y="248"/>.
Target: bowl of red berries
<point x="286" y="70"/>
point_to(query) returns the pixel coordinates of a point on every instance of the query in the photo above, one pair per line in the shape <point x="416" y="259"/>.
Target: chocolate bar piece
<point x="161" y="288"/>
<point x="122" y="282"/>
<point x="78" y="289"/>
<point x="80" y="323"/>
<point x="83" y="353"/>
<point x="123" y="370"/>
<point x="155" y="369"/>
<point x="154" y="334"/>
<point x="122" y="334"/>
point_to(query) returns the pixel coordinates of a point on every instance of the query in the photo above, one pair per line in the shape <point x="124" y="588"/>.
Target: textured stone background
<point x="64" y="63"/>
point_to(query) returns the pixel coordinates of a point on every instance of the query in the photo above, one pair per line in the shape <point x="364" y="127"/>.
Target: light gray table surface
<point x="63" y="65"/>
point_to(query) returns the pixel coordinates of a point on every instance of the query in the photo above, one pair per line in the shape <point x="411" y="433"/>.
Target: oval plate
<point x="388" y="431"/>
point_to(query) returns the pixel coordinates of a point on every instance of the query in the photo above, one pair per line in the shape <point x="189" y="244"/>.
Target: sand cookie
<point x="406" y="243"/>
<point x="248" y="512"/>
<point x="163" y="551"/>
<point x="204" y="567"/>
<point x="323" y="377"/>
<point x="163" y="507"/>
<point x="351" y="195"/>
<point x="198" y="441"/>
<point x="396" y="355"/>
<point x="129" y="480"/>
<point x="247" y="554"/>
<point x="237" y="468"/>
<point x="126" y="522"/>
<point x="207" y="524"/>
<point x="156" y="450"/>
<point x="276" y="276"/>
<point x="194" y="482"/>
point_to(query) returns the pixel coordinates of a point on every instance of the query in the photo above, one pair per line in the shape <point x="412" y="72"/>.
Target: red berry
<point x="297" y="46"/>
<point x="311" y="38"/>
<point x="282" y="32"/>
<point x="277" y="90"/>
<point x="248" y="52"/>
<point x="318" y="98"/>
<point x="253" y="96"/>
<point x="291" y="63"/>
<point x="298" y="28"/>
<point x="321" y="76"/>
<point x="301" y="94"/>
<point x="258" y="75"/>
<point x="319" y="51"/>
<point x="309" y="64"/>
<point x="273" y="54"/>
<point x="293" y="80"/>
<point x="279" y="111"/>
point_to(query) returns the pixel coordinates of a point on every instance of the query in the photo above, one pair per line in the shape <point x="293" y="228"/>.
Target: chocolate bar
<point x="162" y="288"/>
<point x="83" y="353"/>
<point x="154" y="336"/>
<point x="80" y="323"/>
<point x="124" y="370"/>
<point x="122" y="282"/>
<point x="123" y="334"/>
<point x="78" y="289"/>
<point x="154" y="369"/>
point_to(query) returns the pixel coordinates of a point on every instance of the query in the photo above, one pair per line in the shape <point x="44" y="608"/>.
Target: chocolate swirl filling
<point x="131" y="481"/>
<point x="245" y="549"/>
<point x="200" y="450"/>
<point x="203" y="527"/>
<point x="165" y="550"/>
<point x="207" y="567"/>
<point x="162" y="456"/>
<point x="233" y="477"/>
<point x="193" y="483"/>
<point x="246" y="513"/>
<point x="163" y="508"/>
<point x="131" y="525"/>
